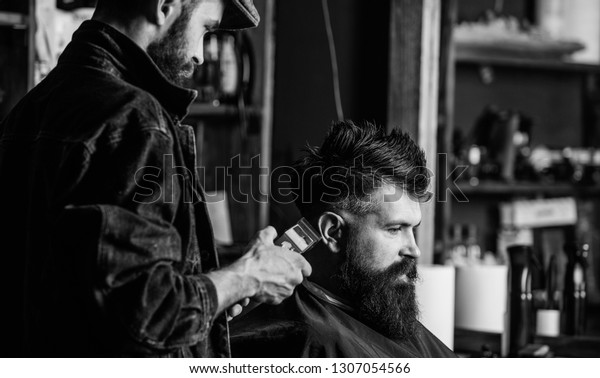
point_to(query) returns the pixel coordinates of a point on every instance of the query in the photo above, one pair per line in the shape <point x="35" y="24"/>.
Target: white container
<point x="548" y="323"/>
<point x="550" y="17"/>
<point x="481" y="297"/>
<point x="435" y="294"/>
<point x="575" y="20"/>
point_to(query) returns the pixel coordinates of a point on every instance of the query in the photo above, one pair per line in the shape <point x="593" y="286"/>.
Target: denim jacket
<point x="105" y="237"/>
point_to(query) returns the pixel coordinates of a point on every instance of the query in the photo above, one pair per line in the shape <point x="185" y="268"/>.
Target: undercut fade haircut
<point x="354" y="161"/>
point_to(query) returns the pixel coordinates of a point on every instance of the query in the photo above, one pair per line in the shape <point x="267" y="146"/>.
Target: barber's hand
<point x="237" y="308"/>
<point x="274" y="271"/>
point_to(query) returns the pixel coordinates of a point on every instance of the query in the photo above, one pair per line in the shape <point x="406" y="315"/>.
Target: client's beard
<point x="383" y="302"/>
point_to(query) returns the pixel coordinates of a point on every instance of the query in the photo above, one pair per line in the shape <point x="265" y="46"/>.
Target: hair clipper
<point x="299" y="238"/>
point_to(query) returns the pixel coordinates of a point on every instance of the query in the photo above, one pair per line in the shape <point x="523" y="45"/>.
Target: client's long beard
<point x="383" y="301"/>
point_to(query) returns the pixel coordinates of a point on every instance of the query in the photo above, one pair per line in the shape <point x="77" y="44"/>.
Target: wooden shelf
<point x="515" y="62"/>
<point x="13" y="19"/>
<point x="470" y="344"/>
<point x="497" y="188"/>
<point x="228" y="111"/>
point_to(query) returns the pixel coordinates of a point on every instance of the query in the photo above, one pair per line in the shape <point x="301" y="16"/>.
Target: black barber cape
<point x="314" y="323"/>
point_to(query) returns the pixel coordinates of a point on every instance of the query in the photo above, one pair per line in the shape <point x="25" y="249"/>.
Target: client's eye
<point x="394" y="230"/>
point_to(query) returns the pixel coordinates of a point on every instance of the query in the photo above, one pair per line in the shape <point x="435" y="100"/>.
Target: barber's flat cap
<point x="239" y="14"/>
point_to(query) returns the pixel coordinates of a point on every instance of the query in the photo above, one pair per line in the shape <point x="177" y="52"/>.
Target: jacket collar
<point x="98" y="45"/>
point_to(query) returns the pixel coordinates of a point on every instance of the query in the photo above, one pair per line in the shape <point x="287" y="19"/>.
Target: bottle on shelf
<point x="474" y="160"/>
<point x="472" y="246"/>
<point x="519" y="330"/>
<point x="548" y="315"/>
<point x="594" y="169"/>
<point x="227" y="73"/>
<point x="575" y="288"/>
<point x="206" y="76"/>
<point x="229" y="68"/>
<point x="458" y="250"/>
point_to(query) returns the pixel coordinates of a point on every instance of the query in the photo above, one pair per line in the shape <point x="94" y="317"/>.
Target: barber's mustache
<point x="187" y="70"/>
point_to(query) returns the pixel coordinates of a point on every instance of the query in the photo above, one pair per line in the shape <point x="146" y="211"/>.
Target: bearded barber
<point x="96" y="264"/>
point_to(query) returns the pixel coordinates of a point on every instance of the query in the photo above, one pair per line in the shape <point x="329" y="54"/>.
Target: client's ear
<point x="331" y="228"/>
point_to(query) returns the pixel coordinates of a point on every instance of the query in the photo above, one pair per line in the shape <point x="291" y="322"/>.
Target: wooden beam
<point x="413" y="91"/>
<point x="446" y="123"/>
<point x="405" y="65"/>
<point x="31" y="45"/>
<point x="266" y="134"/>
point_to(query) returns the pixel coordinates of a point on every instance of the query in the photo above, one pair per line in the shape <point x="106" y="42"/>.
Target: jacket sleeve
<point x="138" y="279"/>
<point x="141" y="285"/>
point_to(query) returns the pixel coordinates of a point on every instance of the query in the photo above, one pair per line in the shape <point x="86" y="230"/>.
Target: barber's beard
<point x="383" y="301"/>
<point x="170" y="52"/>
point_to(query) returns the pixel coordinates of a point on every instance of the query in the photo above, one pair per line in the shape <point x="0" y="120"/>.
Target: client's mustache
<point x="407" y="266"/>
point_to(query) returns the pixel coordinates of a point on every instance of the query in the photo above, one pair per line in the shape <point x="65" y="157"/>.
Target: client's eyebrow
<point x="402" y="223"/>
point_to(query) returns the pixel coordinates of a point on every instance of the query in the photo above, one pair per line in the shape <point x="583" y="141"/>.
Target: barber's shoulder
<point x="145" y="111"/>
<point x="136" y="113"/>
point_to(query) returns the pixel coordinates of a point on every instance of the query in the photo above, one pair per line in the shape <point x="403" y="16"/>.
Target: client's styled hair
<point x="353" y="162"/>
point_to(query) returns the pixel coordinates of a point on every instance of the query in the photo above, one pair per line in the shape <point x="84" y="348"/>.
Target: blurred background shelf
<point x="13" y="19"/>
<point x="17" y="51"/>
<point x="526" y="63"/>
<point x="222" y="110"/>
<point x="483" y="344"/>
<point x="499" y="188"/>
<point x="491" y="98"/>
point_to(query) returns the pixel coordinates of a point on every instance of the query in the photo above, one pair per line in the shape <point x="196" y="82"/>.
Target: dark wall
<point x="13" y="58"/>
<point x="472" y="10"/>
<point x="304" y="104"/>
<point x="304" y="99"/>
<point x="20" y="6"/>
<point x="553" y="99"/>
